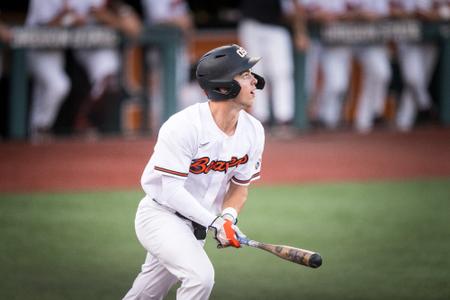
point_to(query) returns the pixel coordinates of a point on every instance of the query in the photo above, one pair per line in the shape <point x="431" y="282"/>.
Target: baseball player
<point x="374" y="60"/>
<point x="197" y="178"/>
<point x="335" y="65"/>
<point x="376" y="68"/>
<point x="309" y="11"/>
<point x="263" y="32"/>
<point x="175" y="14"/>
<point x="417" y="61"/>
<point x="5" y="37"/>
<point x="47" y="66"/>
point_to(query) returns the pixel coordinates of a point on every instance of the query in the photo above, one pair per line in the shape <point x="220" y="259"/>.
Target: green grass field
<point x="379" y="240"/>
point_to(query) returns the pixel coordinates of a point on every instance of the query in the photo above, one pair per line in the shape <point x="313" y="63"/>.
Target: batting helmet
<point x="217" y="68"/>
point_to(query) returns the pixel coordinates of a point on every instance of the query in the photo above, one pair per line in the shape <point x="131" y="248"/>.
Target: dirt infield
<point x="117" y="163"/>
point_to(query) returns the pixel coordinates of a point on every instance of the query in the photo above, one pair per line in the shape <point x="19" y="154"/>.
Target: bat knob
<point x="315" y="260"/>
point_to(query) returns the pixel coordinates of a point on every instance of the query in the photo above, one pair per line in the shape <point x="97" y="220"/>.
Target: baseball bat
<point x="295" y="255"/>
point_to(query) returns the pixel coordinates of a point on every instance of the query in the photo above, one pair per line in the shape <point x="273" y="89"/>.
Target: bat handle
<point x="245" y="241"/>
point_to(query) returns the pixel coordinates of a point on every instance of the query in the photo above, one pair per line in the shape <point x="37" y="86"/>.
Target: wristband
<point x="230" y="211"/>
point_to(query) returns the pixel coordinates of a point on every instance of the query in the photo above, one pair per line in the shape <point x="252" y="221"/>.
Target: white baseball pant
<point x="51" y="86"/>
<point x="417" y="62"/>
<point x="376" y="75"/>
<point x="174" y="254"/>
<point x="98" y="63"/>
<point x="336" y="64"/>
<point x="312" y="67"/>
<point x="274" y="45"/>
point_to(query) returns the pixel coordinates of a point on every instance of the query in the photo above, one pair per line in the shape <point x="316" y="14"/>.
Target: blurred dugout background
<point x="144" y="100"/>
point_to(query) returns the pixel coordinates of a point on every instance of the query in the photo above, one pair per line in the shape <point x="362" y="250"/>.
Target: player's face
<point x="246" y="96"/>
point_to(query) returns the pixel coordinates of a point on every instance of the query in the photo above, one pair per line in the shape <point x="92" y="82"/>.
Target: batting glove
<point x="225" y="233"/>
<point x="239" y="233"/>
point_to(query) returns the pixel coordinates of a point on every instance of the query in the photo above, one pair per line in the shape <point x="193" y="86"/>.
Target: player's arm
<point x="5" y="33"/>
<point x="66" y="16"/>
<point x="175" y="195"/>
<point x="237" y="193"/>
<point x="171" y="159"/>
<point x="299" y="20"/>
<point x="234" y="201"/>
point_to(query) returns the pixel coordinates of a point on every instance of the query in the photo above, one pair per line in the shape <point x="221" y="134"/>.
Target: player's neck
<point x="225" y="114"/>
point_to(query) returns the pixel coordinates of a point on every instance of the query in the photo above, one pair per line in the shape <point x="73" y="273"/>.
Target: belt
<point x="199" y="230"/>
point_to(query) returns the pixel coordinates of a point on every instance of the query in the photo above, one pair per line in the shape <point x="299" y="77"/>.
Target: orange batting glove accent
<point x="225" y="233"/>
<point x="231" y="234"/>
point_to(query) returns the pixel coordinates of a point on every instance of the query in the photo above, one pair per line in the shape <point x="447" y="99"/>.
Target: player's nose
<point x="254" y="80"/>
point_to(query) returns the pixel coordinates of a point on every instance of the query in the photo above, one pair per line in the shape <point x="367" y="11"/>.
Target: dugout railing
<point x="167" y="40"/>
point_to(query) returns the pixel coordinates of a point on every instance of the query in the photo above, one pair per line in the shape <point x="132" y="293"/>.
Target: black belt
<point x="199" y="230"/>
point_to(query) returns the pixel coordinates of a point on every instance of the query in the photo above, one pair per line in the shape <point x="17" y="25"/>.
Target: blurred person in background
<point x="336" y="66"/>
<point x="5" y="38"/>
<point x="306" y="12"/>
<point x="375" y="62"/>
<point x="172" y="13"/>
<point x="337" y="60"/>
<point x="443" y="7"/>
<point x="264" y="32"/>
<point x="51" y="83"/>
<point x="417" y="61"/>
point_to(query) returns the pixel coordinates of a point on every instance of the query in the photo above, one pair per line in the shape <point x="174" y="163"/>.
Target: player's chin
<point x="250" y="101"/>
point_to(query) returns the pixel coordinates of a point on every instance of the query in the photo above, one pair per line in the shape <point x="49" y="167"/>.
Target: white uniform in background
<point x="274" y="43"/>
<point x="417" y="62"/>
<point x="193" y="149"/>
<point x="313" y="54"/>
<point x="336" y="66"/>
<point x="376" y="70"/>
<point x="164" y="12"/>
<point x="443" y="9"/>
<point x="47" y="66"/>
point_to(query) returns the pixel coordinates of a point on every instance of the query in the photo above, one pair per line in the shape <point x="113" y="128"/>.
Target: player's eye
<point x="246" y="75"/>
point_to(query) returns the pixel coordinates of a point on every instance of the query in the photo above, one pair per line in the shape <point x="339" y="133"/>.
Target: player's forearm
<point x="235" y="197"/>
<point x="178" y="198"/>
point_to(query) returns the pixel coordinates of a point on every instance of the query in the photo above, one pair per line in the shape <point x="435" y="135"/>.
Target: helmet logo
<point x="241" y="52"/>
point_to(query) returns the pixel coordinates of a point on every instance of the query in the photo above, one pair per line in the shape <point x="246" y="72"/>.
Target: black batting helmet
<point x="217" y="68"/>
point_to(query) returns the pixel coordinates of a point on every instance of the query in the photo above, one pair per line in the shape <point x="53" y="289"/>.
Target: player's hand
<point x="225" y="233"/>
<point x="239" y="233"/>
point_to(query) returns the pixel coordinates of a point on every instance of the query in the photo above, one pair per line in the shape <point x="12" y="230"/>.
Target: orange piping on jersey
<point x="171" y="172"/>
<point x="203" y="165"/>
<point x="245" y="181"/>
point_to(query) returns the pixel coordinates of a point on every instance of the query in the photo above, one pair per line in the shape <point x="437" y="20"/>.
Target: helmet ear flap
<point x="260" y="81"/>
<point x="232" y="90"/>
<point x="235" y="88"/>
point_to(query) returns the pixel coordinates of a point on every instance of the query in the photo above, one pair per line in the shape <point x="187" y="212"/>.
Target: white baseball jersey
<point x="41" y="12"/>
<point x="336" y="6"/>
<point x="311" y="5"/>
<point x="157" y="11"/>
<point x="191" y="146"/>
<point x="412" y="5"/>
<point x="380" y="7"/>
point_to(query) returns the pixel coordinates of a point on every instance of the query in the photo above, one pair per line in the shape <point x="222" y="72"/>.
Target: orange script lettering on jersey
<point x="203" y="165"/>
